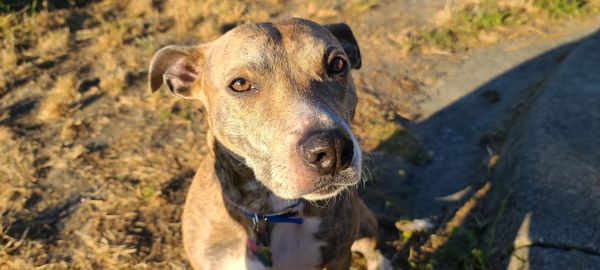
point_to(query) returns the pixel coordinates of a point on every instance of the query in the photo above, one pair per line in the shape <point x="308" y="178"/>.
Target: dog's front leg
<point x="365" y="242"/>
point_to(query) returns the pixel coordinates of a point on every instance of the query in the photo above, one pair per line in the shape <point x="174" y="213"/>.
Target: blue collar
<point x="287" y="215"/>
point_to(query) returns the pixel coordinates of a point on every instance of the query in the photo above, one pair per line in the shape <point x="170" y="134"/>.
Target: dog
<point x="278" y="188"/>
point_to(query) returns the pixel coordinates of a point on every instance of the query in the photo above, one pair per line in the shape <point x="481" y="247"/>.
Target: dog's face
<point x="279" y="96"/>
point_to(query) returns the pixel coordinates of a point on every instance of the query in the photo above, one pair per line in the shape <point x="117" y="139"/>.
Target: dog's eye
<point x="240" y="85"/>
<point x="337" y="65"/>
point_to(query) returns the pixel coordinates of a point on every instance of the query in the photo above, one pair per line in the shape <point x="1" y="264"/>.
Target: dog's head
<point x="279" y="96"/>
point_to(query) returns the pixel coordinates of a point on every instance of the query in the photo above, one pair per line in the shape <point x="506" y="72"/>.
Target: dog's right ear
<point x="178" y="67"/>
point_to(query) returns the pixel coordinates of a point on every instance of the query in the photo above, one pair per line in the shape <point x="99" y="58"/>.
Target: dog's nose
<point x="328" y="151"/>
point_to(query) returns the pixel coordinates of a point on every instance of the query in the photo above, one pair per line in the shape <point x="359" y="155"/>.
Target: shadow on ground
<point x="465" y="140"/>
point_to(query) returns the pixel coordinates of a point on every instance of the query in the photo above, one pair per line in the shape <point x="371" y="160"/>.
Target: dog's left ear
<point x="178" y="67"/>
<point x="344" y="35"/>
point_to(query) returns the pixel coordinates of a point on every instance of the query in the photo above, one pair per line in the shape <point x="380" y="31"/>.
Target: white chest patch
<point x="294" y="246"/>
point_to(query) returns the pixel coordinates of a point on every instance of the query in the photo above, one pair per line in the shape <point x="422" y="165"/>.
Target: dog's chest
<point x="292" y="247"/>
<point x="295" y="246"/>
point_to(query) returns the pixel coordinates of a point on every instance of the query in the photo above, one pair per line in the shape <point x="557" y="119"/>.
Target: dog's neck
<point x="240" y="186"/>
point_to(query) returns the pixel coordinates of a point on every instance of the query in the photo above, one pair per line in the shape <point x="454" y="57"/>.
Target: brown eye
<point x="337" y="65"/>
<point x="240" y="85"/>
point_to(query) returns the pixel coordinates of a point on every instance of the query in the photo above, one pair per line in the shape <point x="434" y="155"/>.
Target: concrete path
<point x="457" y="117"/>
<point x="545" y="195"/>
<point x="551" y="170"/>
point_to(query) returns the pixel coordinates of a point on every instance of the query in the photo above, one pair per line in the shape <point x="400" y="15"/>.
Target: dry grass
<point x="55" y="104"/>
<point x="54" y="42"/>
<point x="113" y="74"/>
<point x="108" y="40"/>
<point x="139" y="8"/>
<point x="8" y="57"/>
<point x="8" y="60"/>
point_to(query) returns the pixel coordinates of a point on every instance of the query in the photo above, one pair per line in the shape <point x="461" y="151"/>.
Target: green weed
<point x="148" y="193"/>
<point x="563" y="8"/>
<point x="359" y="6"/>
<point x="463" y="251"/>
<point x="464" y="26"/>
<point x="442" y="38"/>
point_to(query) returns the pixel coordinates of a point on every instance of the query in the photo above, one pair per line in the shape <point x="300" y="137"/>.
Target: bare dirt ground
<point x="94" y="170"/>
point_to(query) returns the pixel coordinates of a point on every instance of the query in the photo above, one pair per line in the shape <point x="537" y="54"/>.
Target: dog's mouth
<point x="330" y="189"/>
<point x="326" y="192"/>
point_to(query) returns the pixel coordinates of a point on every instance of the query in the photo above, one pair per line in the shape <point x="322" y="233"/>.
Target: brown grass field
<point x="94" y="169"/>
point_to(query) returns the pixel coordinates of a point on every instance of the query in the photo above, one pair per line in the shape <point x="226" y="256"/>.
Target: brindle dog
<point x="277" y="190"/>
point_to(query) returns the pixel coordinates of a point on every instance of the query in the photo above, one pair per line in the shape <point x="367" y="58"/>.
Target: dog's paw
<point x="376" y="261"/>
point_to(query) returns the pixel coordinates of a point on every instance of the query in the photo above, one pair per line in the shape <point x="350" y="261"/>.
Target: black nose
<point x="327" y="151"/>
